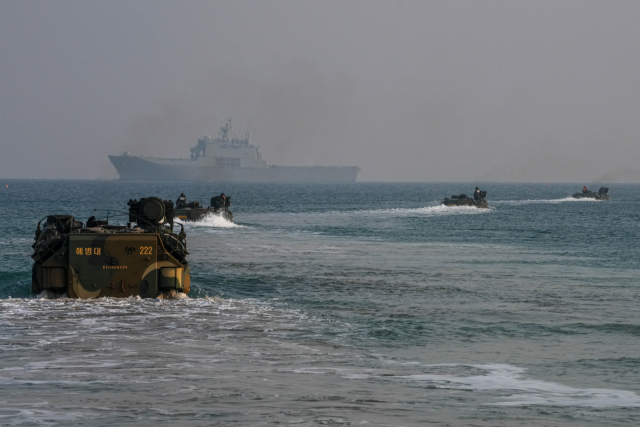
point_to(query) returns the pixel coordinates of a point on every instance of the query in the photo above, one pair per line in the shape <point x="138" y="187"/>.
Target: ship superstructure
<point x="227" y="152"/>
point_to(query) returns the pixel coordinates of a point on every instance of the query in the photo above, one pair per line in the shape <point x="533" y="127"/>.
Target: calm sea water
<point x="364" y="304"/>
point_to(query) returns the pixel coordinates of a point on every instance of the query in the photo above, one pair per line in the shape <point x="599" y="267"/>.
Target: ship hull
<point x="134" y="168"/>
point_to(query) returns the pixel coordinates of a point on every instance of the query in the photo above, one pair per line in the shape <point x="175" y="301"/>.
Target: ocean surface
<point x="366" y="304"/>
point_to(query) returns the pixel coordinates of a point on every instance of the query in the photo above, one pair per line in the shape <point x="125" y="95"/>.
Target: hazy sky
<point x="407" y="90"/>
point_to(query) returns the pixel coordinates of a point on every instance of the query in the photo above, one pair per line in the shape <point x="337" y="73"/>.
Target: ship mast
<point x="224" y="131"/>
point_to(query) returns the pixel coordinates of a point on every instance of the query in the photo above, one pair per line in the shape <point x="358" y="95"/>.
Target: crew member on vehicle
<point x="218" y="201"/>
<point x="476" y="194"/>
<point x="181" y="202"/>
<point x="584" y="189"/>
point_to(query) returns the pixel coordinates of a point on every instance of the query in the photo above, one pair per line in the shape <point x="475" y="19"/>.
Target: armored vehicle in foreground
<point x="477" y="201"/>
<point x="602" y="194"/>
<point x="101" y="260"/>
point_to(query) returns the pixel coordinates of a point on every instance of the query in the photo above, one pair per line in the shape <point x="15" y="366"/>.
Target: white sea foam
<point x="528" y="391"/>
<point x="212" y="220"/>
<point x="47" y="294"/>
<point x="552" y="201"/>
<point x="426" y="211"/>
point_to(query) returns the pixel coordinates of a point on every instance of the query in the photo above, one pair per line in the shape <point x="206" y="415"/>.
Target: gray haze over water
<point x="407" y="90"/>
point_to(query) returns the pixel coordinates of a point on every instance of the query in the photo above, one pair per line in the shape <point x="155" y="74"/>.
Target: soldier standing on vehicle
<point x="181" y="202"/>
<point x="218" y="201"/>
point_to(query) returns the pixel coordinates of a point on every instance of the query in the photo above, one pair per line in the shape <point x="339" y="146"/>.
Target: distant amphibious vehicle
<point x="477" y="201"/>
<point x="226" y="159"/>
<point x="145" y="259"/>
<point x="602" y="194"/>
<point x="193" y="211"/>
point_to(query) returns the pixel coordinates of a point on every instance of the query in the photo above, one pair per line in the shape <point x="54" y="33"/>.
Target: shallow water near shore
<point x="363" y="304"/>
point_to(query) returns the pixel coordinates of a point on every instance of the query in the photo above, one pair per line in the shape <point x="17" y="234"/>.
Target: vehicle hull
<point x="196" y="214"/>
<point x="591" y="195"/>
<point x="91" y="265"/>
<point x="481" y="204"/>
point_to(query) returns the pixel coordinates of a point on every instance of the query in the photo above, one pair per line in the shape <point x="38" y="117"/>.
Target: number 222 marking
<point x="146" y="250"/>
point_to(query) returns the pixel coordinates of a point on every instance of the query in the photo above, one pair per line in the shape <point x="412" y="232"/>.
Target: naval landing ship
<point x="226" y="159"/>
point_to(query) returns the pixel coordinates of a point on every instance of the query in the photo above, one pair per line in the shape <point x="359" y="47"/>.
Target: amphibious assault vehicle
<point x="193" y="211"/>
<point x="145" y="259"/>
<point x="478" y="200"/>
<point x="602" y="194"/>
